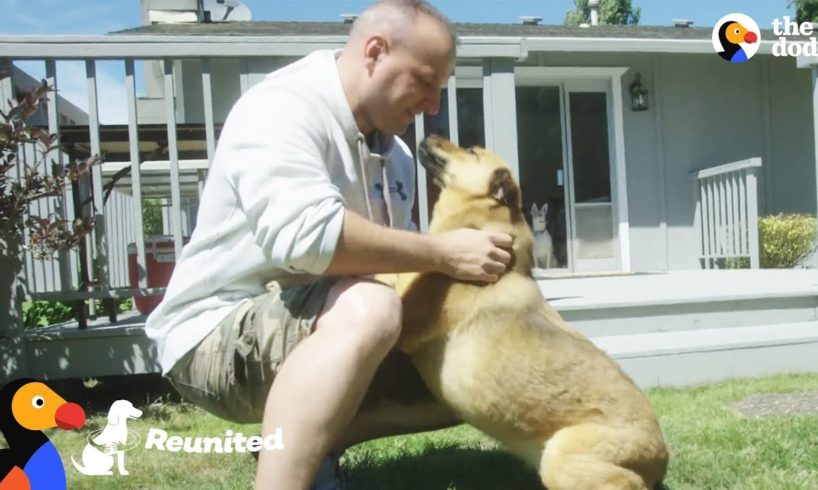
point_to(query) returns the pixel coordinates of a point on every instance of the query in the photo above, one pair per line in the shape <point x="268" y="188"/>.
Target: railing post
<point x="13" y="352"/>
<point x="695" y="188"/>
<point x="423" y="194"/>
<point x="136" y="174"/>
<point x="99" y="248"/>
<point x="64" y="205"/>
<point x="173" y="154"/>
<point x="752" y="217"/>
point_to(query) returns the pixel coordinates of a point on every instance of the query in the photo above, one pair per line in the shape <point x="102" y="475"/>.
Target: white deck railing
<point x="99" y="269"/>
<point x="726" y="218"/>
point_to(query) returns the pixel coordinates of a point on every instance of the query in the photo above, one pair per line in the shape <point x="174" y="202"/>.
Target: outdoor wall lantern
<point x="639" y="94"/>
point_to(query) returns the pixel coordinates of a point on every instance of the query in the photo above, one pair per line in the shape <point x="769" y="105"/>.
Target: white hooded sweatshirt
<point x="289" y="161"/>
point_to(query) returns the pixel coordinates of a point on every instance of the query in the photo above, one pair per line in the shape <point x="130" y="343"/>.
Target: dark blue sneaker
<point x="329" y="474"/>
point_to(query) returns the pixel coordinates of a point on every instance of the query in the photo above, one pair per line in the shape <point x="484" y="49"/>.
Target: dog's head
<point x="121" y="411"/>
<point x="538" y="217"/>
<point x="477" y="190"/>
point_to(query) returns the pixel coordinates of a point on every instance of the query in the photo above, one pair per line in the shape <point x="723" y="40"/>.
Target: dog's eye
<point x="38" y="402"/>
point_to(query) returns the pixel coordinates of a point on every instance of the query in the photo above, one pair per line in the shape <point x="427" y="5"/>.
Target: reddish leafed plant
<point x="23" y="184"/>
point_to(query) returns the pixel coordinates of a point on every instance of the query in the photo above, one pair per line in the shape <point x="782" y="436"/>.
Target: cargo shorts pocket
<point x="201" y="386"/>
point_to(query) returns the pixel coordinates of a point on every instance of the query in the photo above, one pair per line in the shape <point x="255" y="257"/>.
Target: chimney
<point x="349" y="18"/>
<point x="594" y="6"/>
<point x="682" y="23"/>
<point x="530" y="20"/>
<point x="171" y="11"/>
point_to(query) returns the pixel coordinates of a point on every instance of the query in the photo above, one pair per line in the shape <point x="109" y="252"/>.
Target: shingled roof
<point x="281" y="28"/>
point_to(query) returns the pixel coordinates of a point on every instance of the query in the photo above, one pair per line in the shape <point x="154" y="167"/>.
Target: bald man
<point x="271" y="313"/>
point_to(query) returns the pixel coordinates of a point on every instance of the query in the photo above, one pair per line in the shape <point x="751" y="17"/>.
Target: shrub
<point x="786" y="240"/>
<point x="47" y="234"/>
<point x="43" y="313"/>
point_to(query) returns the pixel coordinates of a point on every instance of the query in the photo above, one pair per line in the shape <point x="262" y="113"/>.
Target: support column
<point x="500" y="110"/>
<point x="815" y="144"/>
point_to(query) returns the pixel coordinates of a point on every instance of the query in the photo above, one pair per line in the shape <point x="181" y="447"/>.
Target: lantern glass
<point x="639" y="94"/>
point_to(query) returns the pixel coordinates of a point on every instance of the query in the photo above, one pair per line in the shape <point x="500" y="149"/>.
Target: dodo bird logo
<point x="27" y="408"/>
<point x="736" y="38"/>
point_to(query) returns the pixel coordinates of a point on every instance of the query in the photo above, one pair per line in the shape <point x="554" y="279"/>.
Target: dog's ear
<point x="502" y="187"/>
<point x="534" y="209"/>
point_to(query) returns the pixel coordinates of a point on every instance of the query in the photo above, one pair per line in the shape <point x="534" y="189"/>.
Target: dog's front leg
<point x="120" y="461"/>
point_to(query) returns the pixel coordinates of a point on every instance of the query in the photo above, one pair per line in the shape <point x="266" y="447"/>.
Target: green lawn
<point x="712" y="448"/>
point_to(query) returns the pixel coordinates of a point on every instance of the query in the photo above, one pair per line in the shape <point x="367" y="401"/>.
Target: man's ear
<point x="503" y="188"/>
<point x="374" y="47"/>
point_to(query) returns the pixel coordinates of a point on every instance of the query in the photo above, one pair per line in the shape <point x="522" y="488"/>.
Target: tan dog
<point x="506" y="362"/>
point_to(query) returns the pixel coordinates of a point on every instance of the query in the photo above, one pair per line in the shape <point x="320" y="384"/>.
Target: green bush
<point x="785" y="240"/>
<point x="43" y="313"/>
<point x="151" y="217"/>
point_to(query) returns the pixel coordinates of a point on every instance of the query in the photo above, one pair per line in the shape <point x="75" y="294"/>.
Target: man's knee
<point x="368" y="309"/>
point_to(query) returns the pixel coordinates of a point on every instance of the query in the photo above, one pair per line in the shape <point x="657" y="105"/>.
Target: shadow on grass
<point x="443" y="469"/>
<point x="448" y="469"/>
<point x="96" y="399"/>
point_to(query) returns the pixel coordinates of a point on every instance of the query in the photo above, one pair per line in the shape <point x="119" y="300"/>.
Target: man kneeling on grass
<point x="270" y="314"/>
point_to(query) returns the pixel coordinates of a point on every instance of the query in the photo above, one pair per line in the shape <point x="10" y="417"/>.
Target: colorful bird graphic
<point x="27" y="407"/>
<point x="731" y="35"/>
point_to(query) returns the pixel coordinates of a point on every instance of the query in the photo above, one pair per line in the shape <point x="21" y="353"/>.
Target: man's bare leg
<point x="396" y="402"/>
<point x="317" y="392"/>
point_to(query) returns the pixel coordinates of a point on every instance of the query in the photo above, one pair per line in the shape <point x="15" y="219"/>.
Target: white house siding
<point x="722" y="118"/>
<point x="708" y="112"/>
<point x="792" y="169"/>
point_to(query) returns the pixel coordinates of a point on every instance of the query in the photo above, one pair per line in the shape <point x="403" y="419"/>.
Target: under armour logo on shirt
<point x="398" y="189"/>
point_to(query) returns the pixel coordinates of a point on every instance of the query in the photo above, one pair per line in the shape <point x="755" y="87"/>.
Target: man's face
<point x="406" y="79"/>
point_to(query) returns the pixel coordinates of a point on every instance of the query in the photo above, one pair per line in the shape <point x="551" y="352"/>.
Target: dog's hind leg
<point x="581" y="473"/>
<point x="599" y="457"/>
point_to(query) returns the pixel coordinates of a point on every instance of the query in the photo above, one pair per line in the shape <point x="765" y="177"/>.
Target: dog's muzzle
<point x="430" y="161"/>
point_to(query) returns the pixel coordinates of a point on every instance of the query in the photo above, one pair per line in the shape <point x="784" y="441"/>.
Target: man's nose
<point x="431" y="105"/>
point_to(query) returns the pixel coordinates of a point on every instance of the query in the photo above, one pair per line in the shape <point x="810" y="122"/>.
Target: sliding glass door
<point x="564" y="145"/>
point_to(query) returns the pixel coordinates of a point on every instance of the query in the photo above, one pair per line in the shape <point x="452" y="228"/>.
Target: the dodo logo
<point x="27" y="408"/>
<point x="736" y="38"/>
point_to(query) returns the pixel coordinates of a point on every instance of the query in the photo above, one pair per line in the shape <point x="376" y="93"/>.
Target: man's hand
<point x="474" y="255"/>
<point x="467" y="254"/>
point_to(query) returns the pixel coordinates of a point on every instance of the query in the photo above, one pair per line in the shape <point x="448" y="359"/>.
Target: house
<point x="555" y="102"/>
<point x="653" y="154"/>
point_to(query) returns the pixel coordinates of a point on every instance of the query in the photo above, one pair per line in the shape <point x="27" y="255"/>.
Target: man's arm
<point x="367" y="248"/>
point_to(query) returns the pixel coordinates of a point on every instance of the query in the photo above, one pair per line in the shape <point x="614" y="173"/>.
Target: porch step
<point x="692" y="314"/>
<point x="685" y="300"/>
<point x="689" y="357"/>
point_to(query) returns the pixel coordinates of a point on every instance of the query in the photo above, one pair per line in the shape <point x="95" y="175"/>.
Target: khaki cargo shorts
<point x="230" y="372"/>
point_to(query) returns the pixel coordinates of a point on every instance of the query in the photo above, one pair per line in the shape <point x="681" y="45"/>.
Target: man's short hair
<point x="396" y="18"/>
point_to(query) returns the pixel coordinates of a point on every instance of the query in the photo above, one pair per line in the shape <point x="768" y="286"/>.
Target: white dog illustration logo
<point x="112" y="441"/>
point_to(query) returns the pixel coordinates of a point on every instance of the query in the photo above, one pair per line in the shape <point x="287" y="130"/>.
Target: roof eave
<point x="215" y="46"/>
